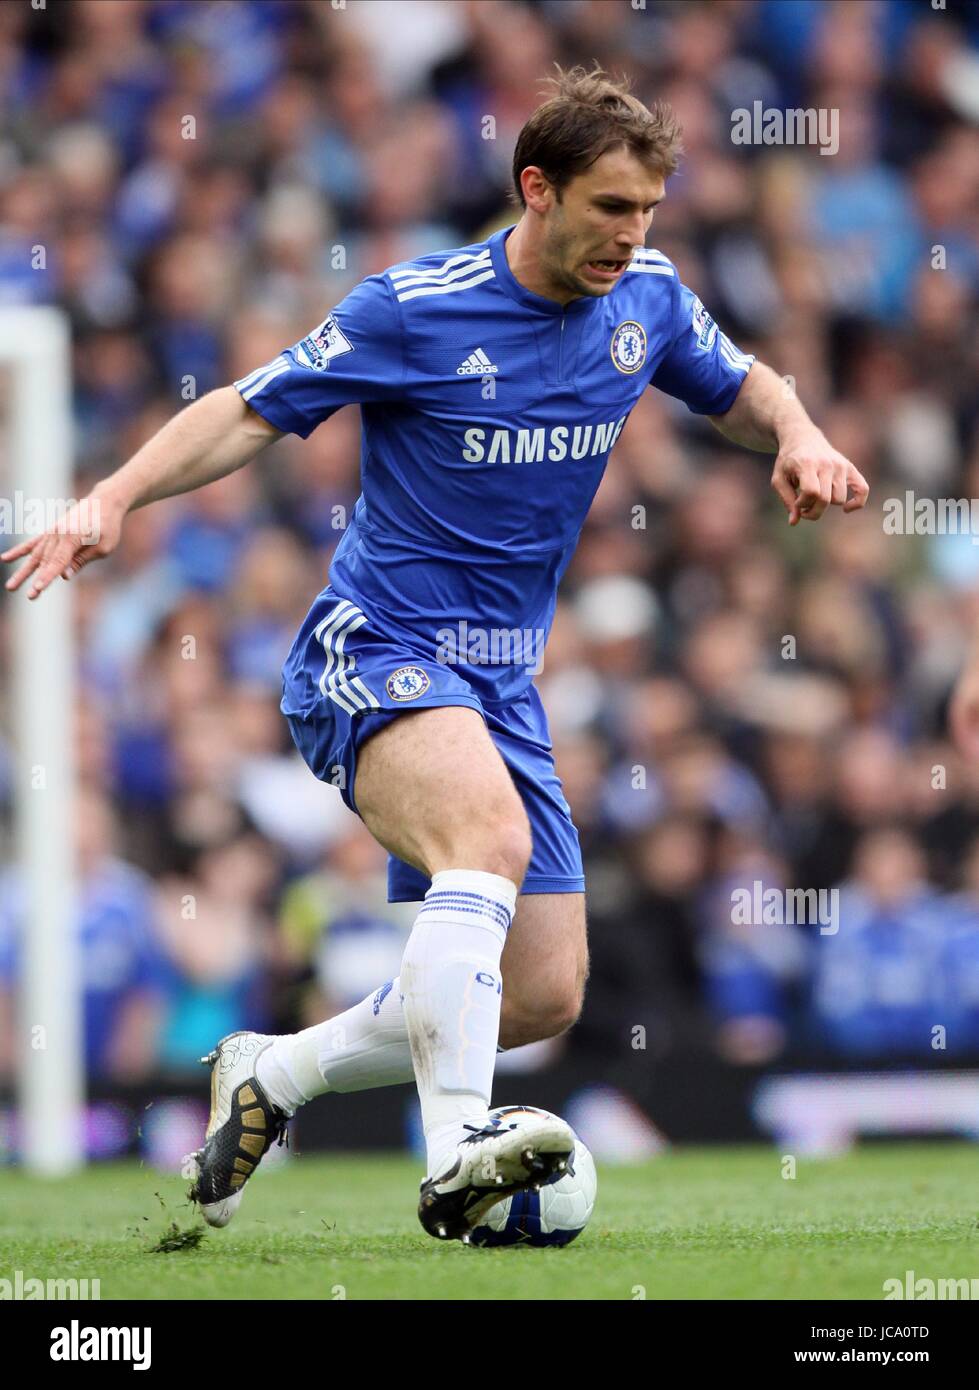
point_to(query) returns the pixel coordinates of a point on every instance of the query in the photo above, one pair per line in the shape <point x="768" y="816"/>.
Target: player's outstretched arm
<point x="211" y="438"/>
<point x="809" y="474"/>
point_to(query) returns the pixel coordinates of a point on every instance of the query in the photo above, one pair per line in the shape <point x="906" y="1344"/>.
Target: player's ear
<point x="538" y="191"/>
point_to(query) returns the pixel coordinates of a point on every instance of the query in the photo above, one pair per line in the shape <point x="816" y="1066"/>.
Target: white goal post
<point x="35" y="348"/>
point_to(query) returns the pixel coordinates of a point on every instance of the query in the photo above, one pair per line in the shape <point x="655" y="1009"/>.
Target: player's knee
<point x="493" y="840"/>
<point x="546" y="1014"/>
<point x="563" y="1009"/>
<point x="508" y="847"/>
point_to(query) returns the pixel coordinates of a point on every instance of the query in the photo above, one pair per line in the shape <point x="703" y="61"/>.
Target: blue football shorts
<point x="344" y="680"/>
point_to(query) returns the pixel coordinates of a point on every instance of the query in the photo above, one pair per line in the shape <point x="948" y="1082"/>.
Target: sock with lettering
<point x="452" y="989"/>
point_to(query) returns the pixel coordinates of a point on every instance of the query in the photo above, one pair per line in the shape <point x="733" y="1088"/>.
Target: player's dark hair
<point x="588" y="114"/>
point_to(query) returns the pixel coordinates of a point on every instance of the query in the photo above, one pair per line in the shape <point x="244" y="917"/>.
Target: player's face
<point x="603" y="215"/>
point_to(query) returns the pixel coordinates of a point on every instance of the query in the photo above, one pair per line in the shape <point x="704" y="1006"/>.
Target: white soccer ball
<point x="556" y="1214"/>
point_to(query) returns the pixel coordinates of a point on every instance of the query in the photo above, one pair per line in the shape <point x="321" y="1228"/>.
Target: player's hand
<point x="810" y="475"/>
<point x="963" y="711"/>
<point x="88" y="531"/>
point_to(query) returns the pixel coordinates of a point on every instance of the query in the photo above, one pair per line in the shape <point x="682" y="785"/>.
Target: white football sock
<point x="452" y="988"/>
<point x="363" y="1047"/>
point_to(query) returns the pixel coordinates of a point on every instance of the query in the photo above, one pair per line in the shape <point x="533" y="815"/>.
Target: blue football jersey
<point x="488" y="417"/>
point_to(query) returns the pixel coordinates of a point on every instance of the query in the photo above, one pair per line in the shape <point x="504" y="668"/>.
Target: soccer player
<point x="494" y="381"/>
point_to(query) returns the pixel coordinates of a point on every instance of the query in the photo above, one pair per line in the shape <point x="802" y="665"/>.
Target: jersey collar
<point x="512" y="286"/>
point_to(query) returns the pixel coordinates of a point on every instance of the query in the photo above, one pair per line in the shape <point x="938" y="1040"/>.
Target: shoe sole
<point x="219" y="1212"/>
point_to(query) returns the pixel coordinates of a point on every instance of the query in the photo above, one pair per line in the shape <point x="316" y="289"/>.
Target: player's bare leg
<point x="545" y="966"/>
<point x="432" y="789"/>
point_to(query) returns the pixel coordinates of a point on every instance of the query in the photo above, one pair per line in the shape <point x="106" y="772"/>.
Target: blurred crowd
<point x="203" y="182"/>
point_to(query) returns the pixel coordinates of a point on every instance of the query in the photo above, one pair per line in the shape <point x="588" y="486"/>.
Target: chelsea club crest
<point x="628" y="347"/>
<point x="407" y="683"/>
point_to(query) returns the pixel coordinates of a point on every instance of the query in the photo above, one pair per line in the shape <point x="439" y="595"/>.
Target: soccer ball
<point x="556" y="1214"/>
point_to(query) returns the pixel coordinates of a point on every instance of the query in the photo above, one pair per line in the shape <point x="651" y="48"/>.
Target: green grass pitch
<point x="696" y="1223"/>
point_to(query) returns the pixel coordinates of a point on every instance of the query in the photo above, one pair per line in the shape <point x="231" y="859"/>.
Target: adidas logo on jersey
<point x="476" y="364"/>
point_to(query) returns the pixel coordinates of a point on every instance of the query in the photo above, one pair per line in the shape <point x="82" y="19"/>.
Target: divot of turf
<point x="174" y="1239"/>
